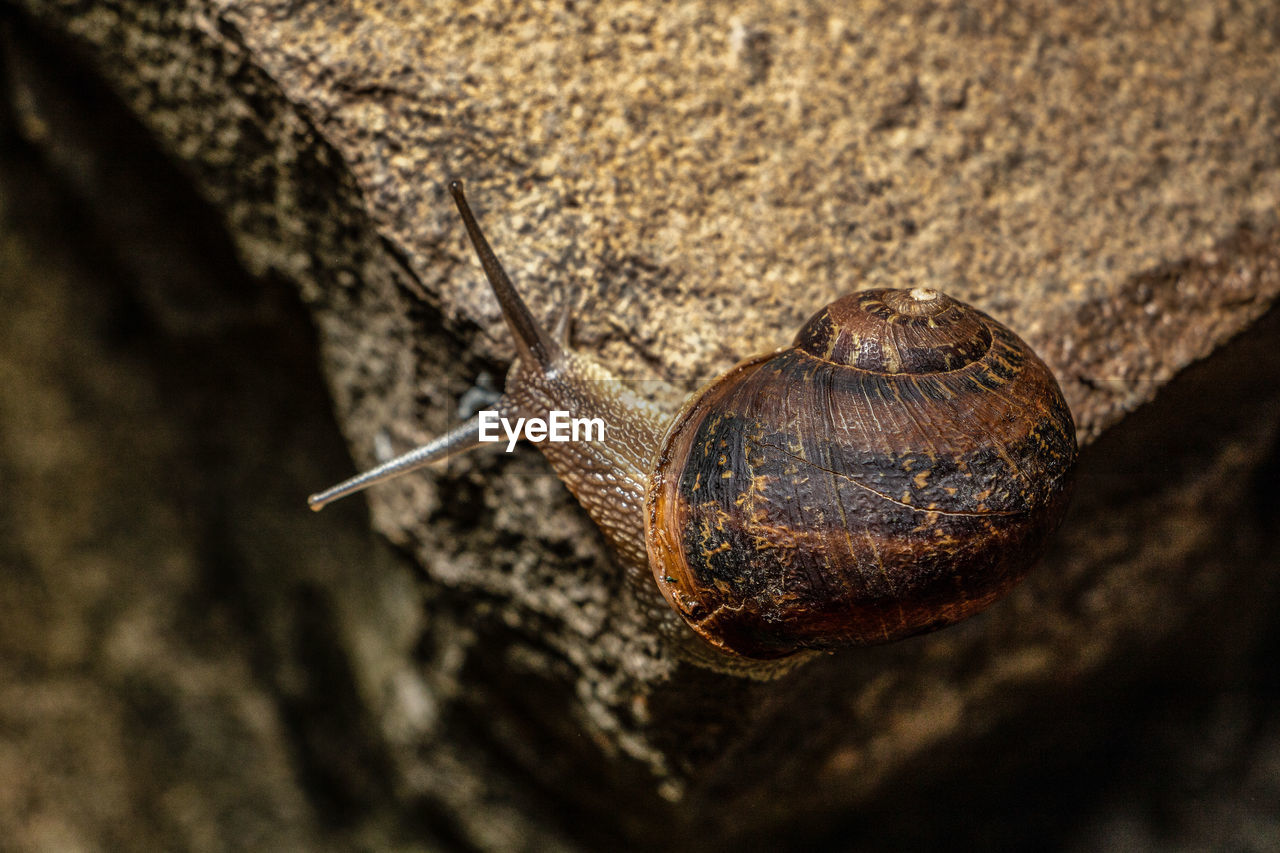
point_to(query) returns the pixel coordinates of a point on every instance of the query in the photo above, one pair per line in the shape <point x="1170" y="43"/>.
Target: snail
<point x="896" y="469"/>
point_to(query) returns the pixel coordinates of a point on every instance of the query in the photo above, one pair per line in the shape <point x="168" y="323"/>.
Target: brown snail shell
<point x="899" y="468"/>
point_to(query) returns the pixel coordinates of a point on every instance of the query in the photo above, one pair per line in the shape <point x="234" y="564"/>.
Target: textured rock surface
<point x="696" y="181"/>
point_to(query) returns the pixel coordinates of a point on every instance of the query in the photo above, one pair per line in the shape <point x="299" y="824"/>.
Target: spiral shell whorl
<point x="896" y="331"/>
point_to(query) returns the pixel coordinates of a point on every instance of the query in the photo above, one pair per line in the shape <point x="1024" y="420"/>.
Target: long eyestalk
<point x="534" y="346"/>
<point x="458" y="440"/>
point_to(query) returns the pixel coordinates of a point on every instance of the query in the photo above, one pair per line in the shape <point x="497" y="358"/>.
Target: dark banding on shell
<point x="856" y="489"/>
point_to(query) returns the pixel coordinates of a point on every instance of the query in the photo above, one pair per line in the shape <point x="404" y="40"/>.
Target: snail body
<point x="898" y="468"/>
